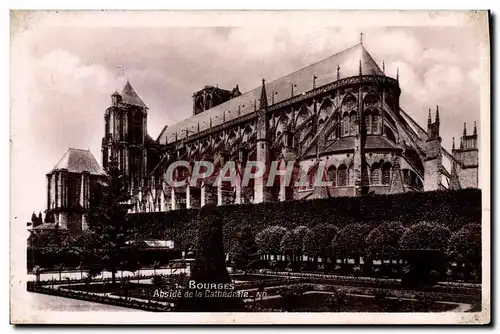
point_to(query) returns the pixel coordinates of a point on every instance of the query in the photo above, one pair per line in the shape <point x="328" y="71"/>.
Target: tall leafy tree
<point x="425" y="235"/>
<point x="292" y="242"/>
<point x="245" y="251"/>
<point x="465" y="244"/>
<point x="112" y="238"/>
<point x="318" y="240"/>
<point x="311" y="247"/>
<point x="464" y="247"/>
<point x="351" y="241"/>
<point x="384" y="240"/>
<point x="269" y="239"/>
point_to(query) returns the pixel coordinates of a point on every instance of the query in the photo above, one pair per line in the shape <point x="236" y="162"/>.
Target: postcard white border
<point x="20" y="311"/>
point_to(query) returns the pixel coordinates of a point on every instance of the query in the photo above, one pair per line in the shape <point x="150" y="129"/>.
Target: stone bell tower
<point x="125" y="134"/>
<point x="466" y="164"/>
<point x="433" y="158"/>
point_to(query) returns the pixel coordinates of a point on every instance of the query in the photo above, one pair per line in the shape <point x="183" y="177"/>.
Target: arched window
<point x="391" y="101"/>
<point x="289" y="139"/>
<point x="407" y="177"/>
<point x="386" y="173"/>
<point x="351" y="174"/>
<point x="342" y="176"/>
<point x="368" y="121"/>
<point x="305" y="133"/>
<point x="302" y="116"/>
<point x="332" y="175"/>
<point x="325" y="110"/>
<point x="199" y="104"/>
<point x="345" y="125"/>
<point x="311" y="176"/>
<point x="338" y="127"/>
<point x="208" y="102"/>
<point x="375" y="174"/>
<point x="247" y="133"/>
<point x="353" y="119"/>
<point x="376" y="122"/>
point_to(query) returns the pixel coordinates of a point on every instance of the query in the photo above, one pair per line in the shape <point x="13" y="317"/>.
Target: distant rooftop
<point x="79" y="161"/>
<point x="325" y="71"/>
<point x="129" y="96"/>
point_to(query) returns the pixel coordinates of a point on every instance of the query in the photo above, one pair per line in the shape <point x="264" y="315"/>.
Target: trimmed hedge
<point x="453" y="208"/>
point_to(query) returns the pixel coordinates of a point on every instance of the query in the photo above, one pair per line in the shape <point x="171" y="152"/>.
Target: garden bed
<point x="251" y="277"/>
<point x="323" y="302"/>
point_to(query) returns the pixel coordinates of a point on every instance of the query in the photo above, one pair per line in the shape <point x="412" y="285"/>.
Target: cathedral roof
<point x="129" y="96"/>
<point x="325" y="71"/>
<point x="377" y="142"/>
<point x="79" y="161"/>
<point x="340" y="144"/>
<point x="347" y="143"/>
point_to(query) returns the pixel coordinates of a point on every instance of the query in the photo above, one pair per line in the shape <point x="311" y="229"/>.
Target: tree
<point x="245" y="252"/>
<point x="311" y="247"/>
<point x="351" y="241"/>
<point x="269" y="239"/>
<point x="464" y="247"/>
<point x="53" y="243"/>
<point x="112" y="235"/>
<point x="422" y="246"/>
<point x="293" y="241"/>
<point x="383" y="241"/>
<point x="318" y="241"/>
<point x="425" y="235"/>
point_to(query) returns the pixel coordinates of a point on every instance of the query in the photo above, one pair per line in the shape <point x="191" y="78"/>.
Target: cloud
<point x="443" y="81"/>
<point x="440" y="56"/>
<point x="474" y="76"/>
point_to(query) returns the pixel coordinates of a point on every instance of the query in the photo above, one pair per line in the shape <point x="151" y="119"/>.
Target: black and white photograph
<point x="250" y="167"/>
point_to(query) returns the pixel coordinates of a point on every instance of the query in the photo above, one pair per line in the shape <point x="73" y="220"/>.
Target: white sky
<point x="64" y="71"/>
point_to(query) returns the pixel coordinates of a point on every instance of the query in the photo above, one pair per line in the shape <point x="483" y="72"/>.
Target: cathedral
<point x="340" y="115"/>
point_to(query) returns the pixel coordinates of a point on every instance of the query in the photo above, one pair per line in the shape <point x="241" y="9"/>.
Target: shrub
<point x="426" y="301"/>
<point x="159" y="280"/>
<point x="464" y="247"/>
<point x="351" y="241"/>
<point x="425" y="235"/>
<point x="269" y="239"/>
<point x="381" y="297"/>
<point x="337" y="302"/>
<point x="245" y="251"/>
<point x="293" y="240"/>
<point x="290" y="295"/>
<point x="455" y="207"/>
<point x="385" y="238"/>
